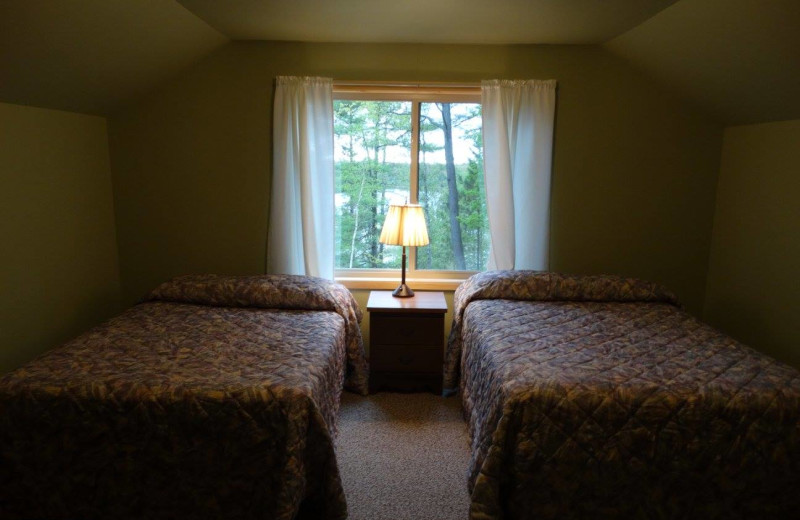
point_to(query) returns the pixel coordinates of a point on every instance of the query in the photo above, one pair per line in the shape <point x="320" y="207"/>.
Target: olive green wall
<point x="633" y="178"/>
<point x="58" y="266"/>
<point x="755" y="256"/>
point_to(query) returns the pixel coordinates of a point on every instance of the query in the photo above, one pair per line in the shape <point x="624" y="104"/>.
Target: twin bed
<point x="585" y="397"/>
<point x="215" y="398"/>
<point x="598" y="397"/>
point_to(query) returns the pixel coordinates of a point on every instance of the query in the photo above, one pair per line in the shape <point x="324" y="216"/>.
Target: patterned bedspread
<point x="597" y="397"/>
<point x="215" y="398"/>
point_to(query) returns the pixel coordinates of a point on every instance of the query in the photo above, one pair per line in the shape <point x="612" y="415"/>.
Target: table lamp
<point x="404" y="226"/>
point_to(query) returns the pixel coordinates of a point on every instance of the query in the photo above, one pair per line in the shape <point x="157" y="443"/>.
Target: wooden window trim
<point x="416" y="93"/>
<point x="456" y="92"/>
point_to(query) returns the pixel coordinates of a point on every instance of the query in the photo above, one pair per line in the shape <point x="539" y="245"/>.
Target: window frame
<point x="415" y="93"/>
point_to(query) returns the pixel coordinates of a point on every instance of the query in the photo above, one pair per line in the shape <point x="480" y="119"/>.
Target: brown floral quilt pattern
<point x="214" y="398"/>
<point x="597" y="397"/>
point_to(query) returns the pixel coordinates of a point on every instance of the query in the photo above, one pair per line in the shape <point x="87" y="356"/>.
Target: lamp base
<point x="403" y="291"/>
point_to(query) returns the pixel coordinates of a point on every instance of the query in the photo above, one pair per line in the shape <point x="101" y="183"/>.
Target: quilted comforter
<point x="214" y="398"/>
<point x="597" y="397"/>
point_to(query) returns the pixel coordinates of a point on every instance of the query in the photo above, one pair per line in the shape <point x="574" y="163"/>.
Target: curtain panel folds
<point x="301" y="233"/>
<point x="518" y="122"/>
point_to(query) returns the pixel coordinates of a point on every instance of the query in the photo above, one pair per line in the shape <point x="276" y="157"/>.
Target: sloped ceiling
<point x="92" y="55"/>
<point x="740" y="59"/>
<point x="426" y="21"/>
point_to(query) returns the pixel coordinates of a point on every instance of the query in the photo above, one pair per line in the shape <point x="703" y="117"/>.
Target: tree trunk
<point x="478" y="246"/>
<point x="355" y="225"/>
<point x="452" y="201"/>
<point x="426" y="203"/>
<point x="374" y="232"/>
<point x="381" y="246"/>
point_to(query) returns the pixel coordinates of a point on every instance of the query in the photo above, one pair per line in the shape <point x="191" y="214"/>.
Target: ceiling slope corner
<point x="736" y="58"/>
<point x="90" y="56"/>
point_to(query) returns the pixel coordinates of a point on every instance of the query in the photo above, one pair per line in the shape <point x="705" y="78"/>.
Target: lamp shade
<point x="405" y="226"/>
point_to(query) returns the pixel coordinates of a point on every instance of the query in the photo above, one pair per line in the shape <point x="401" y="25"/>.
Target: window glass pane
<point x="451" y="187"/>
<point x="372" y="158"/>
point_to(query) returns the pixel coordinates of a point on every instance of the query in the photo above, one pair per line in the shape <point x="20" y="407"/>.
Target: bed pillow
<point x="542" y="286"/>
<point x="545" y="286"/>
<point x="276" y="291"/>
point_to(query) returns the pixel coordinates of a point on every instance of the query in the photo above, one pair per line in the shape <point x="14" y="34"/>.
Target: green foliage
<point x="472" y="218"/>
<point x="369" y="135"/>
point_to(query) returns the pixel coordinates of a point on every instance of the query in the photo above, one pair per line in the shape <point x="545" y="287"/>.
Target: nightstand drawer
<point x="406" y="359"/>
<point x="406" y="341"/>
<point x="394" y="329"/>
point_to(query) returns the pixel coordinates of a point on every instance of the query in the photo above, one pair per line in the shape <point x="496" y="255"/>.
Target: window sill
<point x="383" y="283"/>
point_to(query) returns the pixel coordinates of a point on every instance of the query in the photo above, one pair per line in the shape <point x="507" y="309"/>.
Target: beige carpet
<point x="403" y="457"/>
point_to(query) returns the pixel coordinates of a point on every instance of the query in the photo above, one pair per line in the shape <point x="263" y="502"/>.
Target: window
<point x="417" y="144"/>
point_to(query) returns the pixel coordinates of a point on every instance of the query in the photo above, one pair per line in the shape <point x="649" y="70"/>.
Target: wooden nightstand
<point x="406" y="341"/>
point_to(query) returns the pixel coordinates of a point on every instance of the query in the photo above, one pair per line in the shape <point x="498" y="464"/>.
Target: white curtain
<point x="301" y="207"/>
<point x="518" y="121"/>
